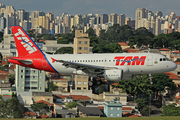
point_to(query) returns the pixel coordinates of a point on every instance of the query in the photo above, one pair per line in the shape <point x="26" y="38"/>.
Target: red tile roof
<point x="74" y="97"/>
<point x="12" y="67"/>
<point x="30" y="113"/>
<point x="164" y="49"/>
<point x="115" y="84"/>
<point x="132" y="51"/>
<point x="178" y="63"/>
<point x="172" y="76"/>
<point x="44" y="116"/>
<point x="127" y="114"/>
<point x="176" y="51"/>
<point x="127" y="108"/>
<point x="42" y="101"/>
<point x="4" y="63"/>
<point x="7" y="95"/>
<point x="101" y="107"/>
<point x="3" y="72"/>
<point x="123" y="44"/>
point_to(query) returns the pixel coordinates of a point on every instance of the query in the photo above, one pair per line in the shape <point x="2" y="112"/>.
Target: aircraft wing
<point x="88" y="69"/>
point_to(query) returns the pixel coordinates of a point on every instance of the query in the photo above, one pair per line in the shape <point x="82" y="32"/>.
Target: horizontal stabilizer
<point x="27" y="61"/>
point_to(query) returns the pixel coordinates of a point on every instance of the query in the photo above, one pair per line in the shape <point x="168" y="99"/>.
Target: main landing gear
<point x="94" y="81"/>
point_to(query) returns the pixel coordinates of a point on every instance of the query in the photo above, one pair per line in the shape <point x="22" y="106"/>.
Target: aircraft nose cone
<point x="174" y="66"/>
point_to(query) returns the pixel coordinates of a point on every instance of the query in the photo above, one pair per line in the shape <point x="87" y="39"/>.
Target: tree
<point x="71" y="105"/>
<point x="171" y="110"/>
<point x="48" y="37"/>
<point x="40" y="107"/>
<point x="113" y="48"/>
<point x="178" y="60"/>
<point x="1" y="36"/>
<point x="138" y="87"/>
<point x="142" y="31"/>
<point x="101" y="89"/>
<point x="91" y="32"/>
<point x="52" y="87"/>
<point x="141" y="102"/>
<point x="11" y="79"/>
<point x="160" y="81"/>
<point x="3" y="107"/>
<point x="15" y="109"/>
<point x="64" y="50"/>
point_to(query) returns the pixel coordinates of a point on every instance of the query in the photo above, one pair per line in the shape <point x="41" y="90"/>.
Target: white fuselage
<point x="130" y="63"/>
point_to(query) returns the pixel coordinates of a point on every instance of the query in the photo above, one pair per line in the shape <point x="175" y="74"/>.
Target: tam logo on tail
<point x="27" y="44"/>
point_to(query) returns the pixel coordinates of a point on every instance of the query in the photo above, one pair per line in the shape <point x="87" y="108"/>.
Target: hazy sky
<point x="73" y="7"/>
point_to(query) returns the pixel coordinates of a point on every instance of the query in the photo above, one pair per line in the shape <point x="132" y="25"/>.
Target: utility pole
<point x="150" y="77"/>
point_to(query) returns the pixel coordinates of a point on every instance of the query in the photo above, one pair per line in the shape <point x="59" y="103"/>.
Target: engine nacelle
<point x="113" y="75"/>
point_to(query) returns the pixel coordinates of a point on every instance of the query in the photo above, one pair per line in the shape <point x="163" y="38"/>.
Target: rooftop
<point x="172" y="76"/>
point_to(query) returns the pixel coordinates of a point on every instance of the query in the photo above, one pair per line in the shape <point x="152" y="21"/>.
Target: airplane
<point x="111" y="66"/>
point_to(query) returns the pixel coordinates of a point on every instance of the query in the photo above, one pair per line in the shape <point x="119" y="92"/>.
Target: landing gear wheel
<point x="90" y="83"/>
<point x="99" y="82"/>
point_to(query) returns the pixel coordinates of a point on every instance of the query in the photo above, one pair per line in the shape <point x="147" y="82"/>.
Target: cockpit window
<point x="164" y="59"/>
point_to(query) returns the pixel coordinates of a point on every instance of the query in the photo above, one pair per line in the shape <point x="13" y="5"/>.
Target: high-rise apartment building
<point x="140" y="13"/>
<point x="81" y="46"/>
<point x="36" y="14"/>
<point x="121" y="19"/>
<point x="42" y="21"/>
<point x="113" y="18"/>
<point x="28" y="79"/>
<point x="22" y="15"/>
<point x="103" y="18"/>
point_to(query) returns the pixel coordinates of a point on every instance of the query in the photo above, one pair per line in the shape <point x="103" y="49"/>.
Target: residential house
<point x="30" y="115"/>
<point x="46" y="96"/>
<point x="89" y="111"/>
<point x="5" y="89"/>
<point x="51" y="109"/>
<point x="113" y="108"/>
<point x="71" y="98"/>
<point x="110" y="96"/>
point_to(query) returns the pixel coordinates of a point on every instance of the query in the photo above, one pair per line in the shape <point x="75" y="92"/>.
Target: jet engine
<point x="113" y="75"/>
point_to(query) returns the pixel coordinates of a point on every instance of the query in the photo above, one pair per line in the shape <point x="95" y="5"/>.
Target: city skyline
<point x="84" y="7"/>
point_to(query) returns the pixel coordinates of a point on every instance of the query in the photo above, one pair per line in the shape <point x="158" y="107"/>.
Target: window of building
<point x="27" y="76"/>
<point x="78" y="88"/>
<point x="33" y="87"/>
<point x="117" y="108"/>
<point x="85" y="83"/>
<point x="39" y="88"/>
<point x="117" y="114"/>
<point x="85" y="77"/>
<point x="21" y="76"/>
<point x="80" y="42"/>
<point x="85" y="42"/>
<point x="84" y="88"/>
<point x="78" y="82"/>
<point x="22" y="71"/>
<point x="27" y="71"/>
<point x="33" y="71"/>
<point x="178" y="73"/>
<point x="111" y="108"/>
<point x="85" y="48"/>
<point x="27" y="88"/>
<point x="79" y="48"/>
<point x="78" y="76"/>
<point x="111" y="114"/>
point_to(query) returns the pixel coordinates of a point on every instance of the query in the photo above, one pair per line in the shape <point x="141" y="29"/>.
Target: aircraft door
<point x="149" y="60"/>
<point x="44" y="63"/>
